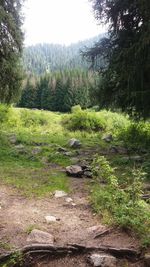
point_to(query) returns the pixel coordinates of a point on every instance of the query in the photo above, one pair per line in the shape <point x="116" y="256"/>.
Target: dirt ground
<point x="18" y="215"/>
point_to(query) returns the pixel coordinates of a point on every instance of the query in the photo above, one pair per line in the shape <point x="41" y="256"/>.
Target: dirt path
<point x="76" y="223"/>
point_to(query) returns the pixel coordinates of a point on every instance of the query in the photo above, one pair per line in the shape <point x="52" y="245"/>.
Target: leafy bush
<point x="136" y="135"/>
<point x="4" y="113"/>
<point x="121" y="203"/>
<point x="30" y="118"/>
<point x="84" y="121"/>
<point x="76" y="108"/>
<point x="116" y="121"/>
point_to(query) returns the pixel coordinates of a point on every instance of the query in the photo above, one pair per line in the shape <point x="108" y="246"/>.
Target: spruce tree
<point x="126" y="51"/>
<point x="11" y="39"/>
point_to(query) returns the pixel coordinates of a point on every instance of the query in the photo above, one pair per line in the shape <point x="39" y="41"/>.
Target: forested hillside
<point x="59" y="91"/>
<point x="43" y="58"/>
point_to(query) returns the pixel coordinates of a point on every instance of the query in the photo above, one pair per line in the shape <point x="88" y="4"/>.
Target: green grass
<point x="32" y="181"/>
<point x="38" y="175"/>
<point x="118" y="201"/>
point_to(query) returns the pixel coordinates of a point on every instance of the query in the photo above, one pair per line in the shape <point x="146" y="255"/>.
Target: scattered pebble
<point x="59" y="194"/>
<point x="50" y="219"/>
<point x="74" y="143"/>
<point x="69" y="200"/>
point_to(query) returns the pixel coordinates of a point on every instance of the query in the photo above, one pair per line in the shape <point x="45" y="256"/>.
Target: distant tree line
<point x="42" y="58"/>
<point x="59" y="91"/>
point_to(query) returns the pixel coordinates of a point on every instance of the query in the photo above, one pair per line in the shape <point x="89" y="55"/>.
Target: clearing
<point x="33" y="157"/>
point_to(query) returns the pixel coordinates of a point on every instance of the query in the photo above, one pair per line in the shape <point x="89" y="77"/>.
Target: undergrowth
<point x="117" y="203"/>
<point x="116" y="194"/>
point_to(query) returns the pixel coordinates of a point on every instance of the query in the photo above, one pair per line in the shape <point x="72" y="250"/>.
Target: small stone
<point x="13" y="139"/>
<point x="36" y="150"/>
<point x="44" y="160"/>
<point x="69" y="200"/>
<point x="74" y="170"/>
<point x="68" y="154"/>
<point x="50" y="219"/>
<point x="74" y="143"/>
<point x="108" y="138"/>
<point x="37" y="236"/>
<point x="88" y="174"/>
<point x="59" y="194"/>
<point x="21" y="149"/>
<point x="85" y="167"/>
<point x="103" y="260"/>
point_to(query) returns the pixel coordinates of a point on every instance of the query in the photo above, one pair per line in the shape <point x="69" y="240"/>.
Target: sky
<point x="59" y="21"/>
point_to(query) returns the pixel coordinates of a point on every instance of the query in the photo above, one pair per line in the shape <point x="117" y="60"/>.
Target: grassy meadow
<point x="30" y="160"/>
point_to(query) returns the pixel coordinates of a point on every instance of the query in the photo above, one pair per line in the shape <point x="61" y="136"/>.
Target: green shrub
<point x="76" y="108"/>
<point x="31" y="118"/>
<point x="136" y="135"/>
<point x="121" y="203"/>
<point x="84" y="121"/>
<point x="4" y="113"/>
<point x="115" y="121"/>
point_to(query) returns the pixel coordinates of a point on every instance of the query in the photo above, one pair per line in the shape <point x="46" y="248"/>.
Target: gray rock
<point x="88" y="174"/>
<point x="68" y="154"/>
<point x="108" y="138"/>
<point x="50" y="219"/>
<point x="13" y="139"/>
<point x="44" y="160"/>
<point x="69" y="200"/>
<point x="36" y="150"/>
<point x="21" y="149"/>
<point x="37" y="236"/>
<point x="102" y="260"/>
<point x="74" y="143"/>
<point x="85" y="167"/>
<point x="59" y="194"/>
<point x="74" y="170"/>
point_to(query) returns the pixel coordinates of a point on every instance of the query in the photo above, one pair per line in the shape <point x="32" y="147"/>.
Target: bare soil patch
<point x="19" y="214"/>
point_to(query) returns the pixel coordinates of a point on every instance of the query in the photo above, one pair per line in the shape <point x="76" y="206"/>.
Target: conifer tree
<point x="11" y="39"/>
<point x="126" y="50"/>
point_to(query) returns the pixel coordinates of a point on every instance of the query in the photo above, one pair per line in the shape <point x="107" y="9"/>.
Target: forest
<point x="42" y="58"/>
<point x="75" y="143"/>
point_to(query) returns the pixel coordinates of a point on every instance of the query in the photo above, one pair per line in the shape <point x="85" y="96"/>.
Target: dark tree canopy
<point x="126" y="51"/>
<point x="59" y="91"/>
<point x="11" y="39"/>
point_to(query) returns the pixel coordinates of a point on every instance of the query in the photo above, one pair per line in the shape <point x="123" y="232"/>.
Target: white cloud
<point x="59" y="21"/>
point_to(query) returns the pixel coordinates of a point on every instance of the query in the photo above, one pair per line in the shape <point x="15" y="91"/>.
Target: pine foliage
<point x="126" y="51"/>
<point x="58" y="91"/>
<point x="10" y="49"/>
